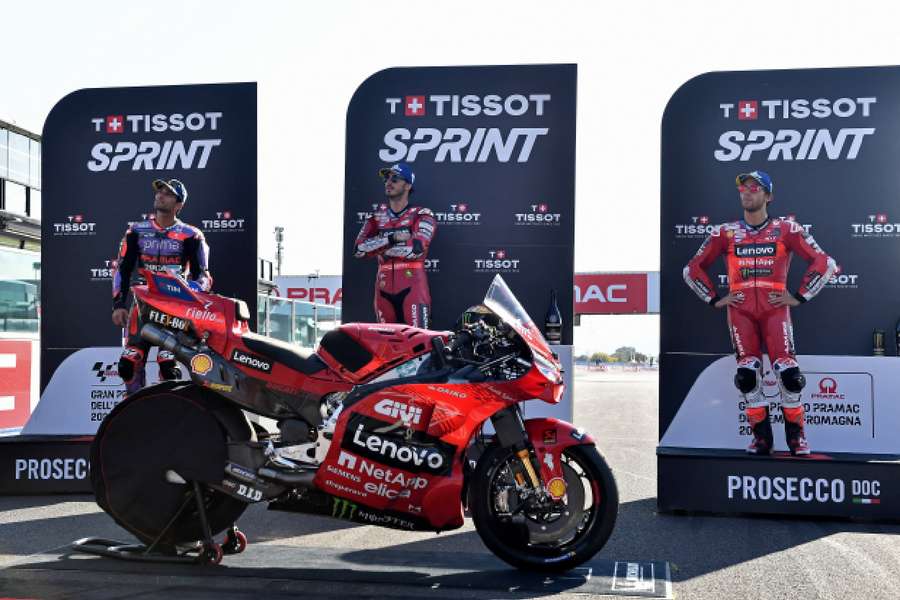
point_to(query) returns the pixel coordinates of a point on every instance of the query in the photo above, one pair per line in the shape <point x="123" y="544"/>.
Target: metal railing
<point x="295" y="321"/>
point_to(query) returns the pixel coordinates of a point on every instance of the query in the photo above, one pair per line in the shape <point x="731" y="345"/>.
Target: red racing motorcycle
<point x="382" y="425"/>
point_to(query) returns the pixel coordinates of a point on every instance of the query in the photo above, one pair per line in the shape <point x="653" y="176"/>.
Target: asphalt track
<point x="705" y="557"/>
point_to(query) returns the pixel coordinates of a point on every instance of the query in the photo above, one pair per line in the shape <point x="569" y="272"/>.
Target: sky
<point x="308" y="59"/>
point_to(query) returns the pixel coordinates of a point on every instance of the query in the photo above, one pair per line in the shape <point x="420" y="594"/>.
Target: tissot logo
<point x="498" y="261"/>
<point x="698" y="228"/>
<point x="104" y="272"/>
<point x="802" y="143"/>
<point x="362" y="216"/>
<point x="251" y="360"/>
<point x="842" y="279"/>
<point x="154" y="154"/>
<point x="224" y="221"/>
<point x="459" y="214"/>
<point x="75" y="225"/>
<point x="537" y="214"/>
<point x="470" y="105"/>
<point x="878" y="225"/>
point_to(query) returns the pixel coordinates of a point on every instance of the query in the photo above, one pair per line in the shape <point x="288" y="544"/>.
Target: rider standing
<point x="160" y="243"/>
<point x="399" y="235"/>
<point x="757" y="252"/>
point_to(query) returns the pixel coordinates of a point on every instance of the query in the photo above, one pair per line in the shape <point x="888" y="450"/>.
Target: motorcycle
<point x="383" y="425"/>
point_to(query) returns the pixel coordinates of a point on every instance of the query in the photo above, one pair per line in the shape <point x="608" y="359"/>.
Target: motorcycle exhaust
<point x="166" y="341"/>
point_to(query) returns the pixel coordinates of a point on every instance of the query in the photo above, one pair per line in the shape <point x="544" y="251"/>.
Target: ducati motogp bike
<point x="384" y="424"/>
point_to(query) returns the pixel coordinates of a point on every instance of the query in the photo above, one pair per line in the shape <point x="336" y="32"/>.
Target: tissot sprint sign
<point x="102" y="148"/>
<point x="493" y="152"/>
<point x="828" y="138"/>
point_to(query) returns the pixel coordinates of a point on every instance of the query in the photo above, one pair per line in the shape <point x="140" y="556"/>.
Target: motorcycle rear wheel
<point x="545" y="542"/>
<point x="166" y="428"/>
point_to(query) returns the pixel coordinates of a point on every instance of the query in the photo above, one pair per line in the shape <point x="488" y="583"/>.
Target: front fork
<point x="539" y="470"/>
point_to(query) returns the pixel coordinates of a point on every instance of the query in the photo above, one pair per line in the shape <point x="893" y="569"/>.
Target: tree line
<point x="625" y="354"/>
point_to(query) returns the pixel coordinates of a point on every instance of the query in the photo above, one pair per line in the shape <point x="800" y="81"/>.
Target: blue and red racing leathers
<point x="401" y="285"/>
<point x="179" y="247"/>
<point x="757" y="261"/>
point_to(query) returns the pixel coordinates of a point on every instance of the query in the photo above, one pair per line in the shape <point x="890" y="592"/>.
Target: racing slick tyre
<point x="542" y="539"/>
<point x="148" y="444"/>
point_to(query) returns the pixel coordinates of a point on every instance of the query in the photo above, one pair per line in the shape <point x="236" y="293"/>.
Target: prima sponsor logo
<point x="398" y="410"/>
<point x="698" y="228"/>
<point x="51" y="469"/>
<point x="251" y="360"/>
<point x="74" y="225"/>
<point x="463" y="144"/>
<point x="803" y="143"/>
<point x="878" y="225"/>
<point x="538" y="214"/>
<point x="498" y="261"/>
<point x="458" y="214"/>
<point x="153" y="154"/>
<point x="224" y="221"/>
<point x="104" y="272"/>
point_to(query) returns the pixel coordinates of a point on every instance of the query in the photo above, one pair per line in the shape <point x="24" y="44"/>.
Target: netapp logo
<point x="795" y="144"/>
<point x="786" y="489"/>
<point x="252" y="361"/>
<point x="754" y="250"/>
<point x="49" y="469"/>
<point x="154" y="155"/>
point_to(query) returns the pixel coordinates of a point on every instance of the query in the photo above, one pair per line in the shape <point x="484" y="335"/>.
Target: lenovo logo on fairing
<point x="249" y="360"/>
<point x="755" y="250"/>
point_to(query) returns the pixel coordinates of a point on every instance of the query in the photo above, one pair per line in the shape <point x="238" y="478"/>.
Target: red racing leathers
<point x="401" y="286"/>
<point x="757" y="261"/>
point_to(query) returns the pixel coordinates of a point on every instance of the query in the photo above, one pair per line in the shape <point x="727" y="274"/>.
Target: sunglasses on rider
<point x="394" y="179"/>
<point x="752" y="188"/>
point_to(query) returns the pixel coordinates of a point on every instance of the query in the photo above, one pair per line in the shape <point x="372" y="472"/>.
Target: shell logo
<point x="557" y="488"/>
<point x="201" y="364"/>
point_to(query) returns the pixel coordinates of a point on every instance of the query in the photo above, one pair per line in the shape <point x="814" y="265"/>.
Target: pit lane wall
<point x="828" y="139"/>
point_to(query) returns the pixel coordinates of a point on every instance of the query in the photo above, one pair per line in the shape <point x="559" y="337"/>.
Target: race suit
<point x="401" y="286"/>
<point x="758" y="260"/>
<point x="180" y="247"/>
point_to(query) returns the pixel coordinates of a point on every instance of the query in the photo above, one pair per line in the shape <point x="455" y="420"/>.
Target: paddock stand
<point x="206" y="551"/>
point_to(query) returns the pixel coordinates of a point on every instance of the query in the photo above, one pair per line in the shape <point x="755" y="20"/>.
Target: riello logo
<point x="878" y="225"/>
<point x="224" y="221"/>
<point x="153" y="143"/>
<point x="462" y="143"/>
<point x="766" y="138"/>
<point x="74" y="225"/>
<point x="498" y="261"/>
<point x="459" y="214"/>
<point x="538" y="214"/>
<point x="698" y="227"/>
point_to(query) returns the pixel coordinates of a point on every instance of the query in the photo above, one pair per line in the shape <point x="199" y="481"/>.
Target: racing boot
<point x="794" y="432"/>
<point x="758" y="417"/>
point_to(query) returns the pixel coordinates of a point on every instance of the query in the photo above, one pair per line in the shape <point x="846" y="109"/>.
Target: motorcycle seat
<point x="299" y="359"/>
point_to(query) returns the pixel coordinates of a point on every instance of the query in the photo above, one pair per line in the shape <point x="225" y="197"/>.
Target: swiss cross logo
<point x="414" y="106"/>
<point x="542" y="208"/>
<point x="747" y="110"/>
<point x="115" y="124"/>
<point x="226" y="214"/>
<point x="78" y="218"/>
<point x="791" y="217"/>
<point x="881" y="218"/>
<point x="501" y="254"/>
<point x="704" y="220"/>
<point x="838" y="269"/>
<point x="462" y="207"/>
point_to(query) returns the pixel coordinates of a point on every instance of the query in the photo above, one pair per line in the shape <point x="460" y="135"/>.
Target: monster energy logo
<point x="342" y="509"/>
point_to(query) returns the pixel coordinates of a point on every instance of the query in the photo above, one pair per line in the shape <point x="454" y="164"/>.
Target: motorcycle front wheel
<point x="550" y="539"/>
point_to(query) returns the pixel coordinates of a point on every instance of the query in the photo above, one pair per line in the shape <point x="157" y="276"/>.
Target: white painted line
<point x="7" y="361"/>
<point x="7" y="402"/>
